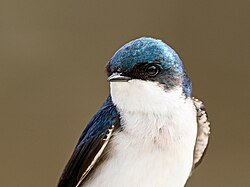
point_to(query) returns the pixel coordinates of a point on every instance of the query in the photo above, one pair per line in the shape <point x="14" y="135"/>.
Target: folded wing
<point x="203" y="132"/>
<point x="91" y="145"/>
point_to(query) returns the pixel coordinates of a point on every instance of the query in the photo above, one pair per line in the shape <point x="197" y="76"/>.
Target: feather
<point x="203" y="132"/>
<point x="91" y="145"/>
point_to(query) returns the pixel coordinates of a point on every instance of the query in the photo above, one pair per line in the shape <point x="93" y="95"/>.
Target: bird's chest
<point x="150" y="151"/>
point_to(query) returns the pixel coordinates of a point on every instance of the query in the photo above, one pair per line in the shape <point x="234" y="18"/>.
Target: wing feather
<point x="203" y="132"/>
<point x="97" y="156"/>
<point x="91" y="145"/>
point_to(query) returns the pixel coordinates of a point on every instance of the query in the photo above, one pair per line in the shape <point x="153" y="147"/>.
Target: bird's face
<point x="146" y="67"/>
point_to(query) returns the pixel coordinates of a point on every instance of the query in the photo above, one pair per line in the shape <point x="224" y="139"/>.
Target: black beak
<point x="117" y="77"/>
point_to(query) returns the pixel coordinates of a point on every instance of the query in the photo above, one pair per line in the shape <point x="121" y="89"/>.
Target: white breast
<point x="155" y="148"/>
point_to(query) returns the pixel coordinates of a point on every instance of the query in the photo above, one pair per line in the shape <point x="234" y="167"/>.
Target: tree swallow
<point x="150" y="132"/>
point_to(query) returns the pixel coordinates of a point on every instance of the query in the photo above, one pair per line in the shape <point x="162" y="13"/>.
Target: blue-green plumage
<point x="145" y="50"/>
<point x="130" y="58"/>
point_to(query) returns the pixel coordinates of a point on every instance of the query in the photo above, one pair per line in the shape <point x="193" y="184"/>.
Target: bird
<point x="150" y="131"/>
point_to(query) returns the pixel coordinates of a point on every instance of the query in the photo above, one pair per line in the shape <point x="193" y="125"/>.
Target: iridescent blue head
<point x="149" y="59"/>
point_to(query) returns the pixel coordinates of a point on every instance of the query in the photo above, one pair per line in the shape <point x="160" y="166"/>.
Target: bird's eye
<point x="152" y="70"/>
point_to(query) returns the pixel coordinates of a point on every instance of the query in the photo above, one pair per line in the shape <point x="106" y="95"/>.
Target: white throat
<point x="155" y="147"/>
<point x="146" y="108"/>
<point x="145" y="96"/>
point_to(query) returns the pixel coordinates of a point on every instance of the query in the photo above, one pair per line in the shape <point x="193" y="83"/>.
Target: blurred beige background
<point x="52" y="79"/>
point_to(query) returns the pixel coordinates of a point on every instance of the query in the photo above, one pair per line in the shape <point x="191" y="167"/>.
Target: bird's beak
<point x="117" y="77"/>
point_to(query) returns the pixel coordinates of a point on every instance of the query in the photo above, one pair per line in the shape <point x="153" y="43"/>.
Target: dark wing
<point x="203" y="132"/>
<point x="90" y="146"/>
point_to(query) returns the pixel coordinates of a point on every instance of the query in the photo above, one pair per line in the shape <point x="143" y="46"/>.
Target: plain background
<point x="52" y="78"/>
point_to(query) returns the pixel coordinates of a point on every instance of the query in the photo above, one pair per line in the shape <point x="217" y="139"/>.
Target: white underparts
<point x="155" y="147"/>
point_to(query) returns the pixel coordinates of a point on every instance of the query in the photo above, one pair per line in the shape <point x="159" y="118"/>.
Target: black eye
<point x="152" y="70"/>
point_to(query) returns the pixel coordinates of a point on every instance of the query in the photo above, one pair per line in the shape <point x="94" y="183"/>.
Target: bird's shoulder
<point x="91" y="145"/>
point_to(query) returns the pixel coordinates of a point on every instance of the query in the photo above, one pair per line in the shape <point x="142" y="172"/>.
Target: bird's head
<point x="146" y="66"/>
